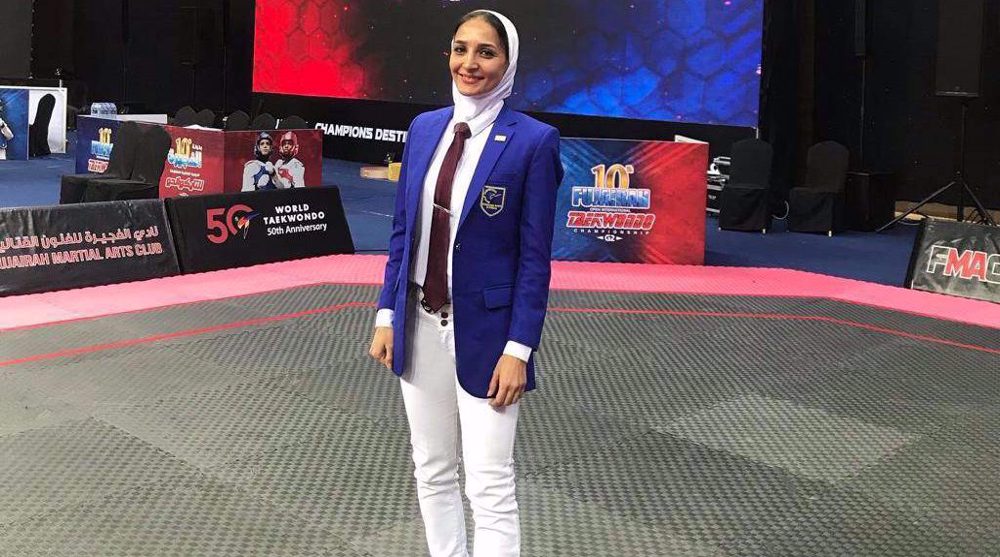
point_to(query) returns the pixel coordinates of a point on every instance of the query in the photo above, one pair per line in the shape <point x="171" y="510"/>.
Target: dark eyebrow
<point x="463" y="43"/>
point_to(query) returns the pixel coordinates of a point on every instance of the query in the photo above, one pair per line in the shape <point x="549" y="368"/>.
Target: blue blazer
<point x="501" y="261"/>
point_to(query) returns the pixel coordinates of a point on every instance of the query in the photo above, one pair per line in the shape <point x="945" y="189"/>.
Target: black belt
<point x="423" y="302"/>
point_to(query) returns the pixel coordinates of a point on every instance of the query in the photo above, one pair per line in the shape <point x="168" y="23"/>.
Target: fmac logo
<point x="967" y="265"/>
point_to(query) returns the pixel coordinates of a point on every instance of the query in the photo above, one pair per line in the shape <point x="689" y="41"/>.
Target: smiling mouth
<point x="469" y="79"/>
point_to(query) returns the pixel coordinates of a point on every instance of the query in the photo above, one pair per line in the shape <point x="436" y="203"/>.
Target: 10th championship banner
<point x="95" y="137"/>
<point x="631" y="202"/>
<point x="956" y="258"/>
<point x="73" y="246"/>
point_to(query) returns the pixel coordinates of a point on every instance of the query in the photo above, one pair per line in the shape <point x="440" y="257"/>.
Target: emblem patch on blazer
<point x="492" y="199"/>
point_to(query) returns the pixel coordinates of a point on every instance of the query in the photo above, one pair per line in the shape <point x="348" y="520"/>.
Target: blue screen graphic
<point x="674" y="60"/>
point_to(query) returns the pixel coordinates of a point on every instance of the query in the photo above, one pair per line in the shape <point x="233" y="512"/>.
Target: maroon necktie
<point x="436" y="281"/>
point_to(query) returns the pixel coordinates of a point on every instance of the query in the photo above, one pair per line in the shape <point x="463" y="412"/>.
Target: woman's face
<point x="477" y="60"/>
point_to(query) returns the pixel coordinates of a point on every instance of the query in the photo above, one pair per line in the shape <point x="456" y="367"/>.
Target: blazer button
<point x="458" y="246"/>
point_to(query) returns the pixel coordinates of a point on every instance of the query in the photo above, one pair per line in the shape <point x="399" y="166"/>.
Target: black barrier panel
<point x="72" y="246"/>
<point x="240" y="229"/>
<point x="956" y="258"/>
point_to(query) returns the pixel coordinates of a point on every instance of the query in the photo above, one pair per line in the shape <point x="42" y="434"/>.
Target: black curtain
<point x="880" y="102"/>
<point x="787" y="91"/>
<point x="15" y="40"/>
<point x="149" y="55"/>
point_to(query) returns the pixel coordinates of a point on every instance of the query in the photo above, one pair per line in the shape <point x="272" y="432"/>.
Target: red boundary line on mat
<point x="329" y="309"/>
<point x="787" y="317"/>
<point x="180" y="334"/>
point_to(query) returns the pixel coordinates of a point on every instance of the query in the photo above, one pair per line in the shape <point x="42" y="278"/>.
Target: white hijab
<point x="467" y="108"/>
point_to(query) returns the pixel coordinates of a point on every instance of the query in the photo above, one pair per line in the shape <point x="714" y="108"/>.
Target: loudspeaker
<point x="187" y="36"/>
<point x="959" y="47"/>
<point x="860" y="27"/>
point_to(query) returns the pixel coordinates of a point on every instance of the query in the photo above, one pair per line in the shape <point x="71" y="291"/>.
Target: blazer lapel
<point x="504" y="126"/>
<point x="425" y="143"/>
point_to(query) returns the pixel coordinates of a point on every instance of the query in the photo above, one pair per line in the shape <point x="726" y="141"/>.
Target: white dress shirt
<point x="480" y="126"/>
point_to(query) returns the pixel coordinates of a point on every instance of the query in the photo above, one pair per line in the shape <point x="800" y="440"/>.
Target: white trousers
<point x="435" y="406"/>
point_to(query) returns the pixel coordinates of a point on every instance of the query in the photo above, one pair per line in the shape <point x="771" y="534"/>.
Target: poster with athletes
<point x="194" y="163"/>
<point x="631" y="202"/>
<point x="273" y="160"/>
<point x="13" y="124"/>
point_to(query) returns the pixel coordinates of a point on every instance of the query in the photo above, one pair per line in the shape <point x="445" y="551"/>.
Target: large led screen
<point x="671" y="60"/>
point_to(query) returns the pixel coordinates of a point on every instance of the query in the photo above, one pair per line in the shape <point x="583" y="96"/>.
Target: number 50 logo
<point x="224" y="223"/>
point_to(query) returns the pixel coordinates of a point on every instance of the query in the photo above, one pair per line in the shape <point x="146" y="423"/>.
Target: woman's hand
<point x="509" y="379"/>
<point x="381" y="348"/>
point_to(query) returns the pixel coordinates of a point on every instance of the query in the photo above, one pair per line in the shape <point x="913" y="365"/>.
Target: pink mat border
<point x="18" y="312"/>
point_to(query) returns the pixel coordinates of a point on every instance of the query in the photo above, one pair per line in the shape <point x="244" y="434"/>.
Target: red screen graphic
<point x="316" y="40"/>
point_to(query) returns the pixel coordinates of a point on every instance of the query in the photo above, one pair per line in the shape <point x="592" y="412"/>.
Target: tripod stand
<point x="958" y="181"/>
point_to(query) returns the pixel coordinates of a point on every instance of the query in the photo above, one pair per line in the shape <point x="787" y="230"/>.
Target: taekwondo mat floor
<point x="664" y="424"/>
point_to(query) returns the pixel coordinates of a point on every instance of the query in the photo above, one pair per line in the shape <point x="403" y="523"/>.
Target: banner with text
<point x="631" y="202"/>
<point x="194" y="164"/>
<point x="236" y="230"/>
<point x="72" y="246"/>
<point x="956" y="258"/>
<point x="95" y="137"/>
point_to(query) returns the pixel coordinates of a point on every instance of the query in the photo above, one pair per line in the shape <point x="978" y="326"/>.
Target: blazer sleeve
<point x="531" y="286"/>
<point x="387" y="297"/>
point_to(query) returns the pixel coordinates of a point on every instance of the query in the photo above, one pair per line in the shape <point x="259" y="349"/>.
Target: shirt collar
<point x="482" y="121"/>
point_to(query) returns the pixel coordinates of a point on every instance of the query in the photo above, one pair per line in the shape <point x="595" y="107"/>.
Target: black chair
<point x="745" y="201"/>
<point x="185" y="117"/>
<point x="145" y="178"/>
<point x="293" y="123"/>
<point x="120" y="164"/>
<point x="205" y="118"/>
<point x="38" y="131"/>
<point x="237" y="121"/>
<point x="263" y="122"/>
<point x="818" y="206"/>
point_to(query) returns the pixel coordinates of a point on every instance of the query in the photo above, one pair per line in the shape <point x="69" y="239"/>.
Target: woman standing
<point x="466" y="287"/>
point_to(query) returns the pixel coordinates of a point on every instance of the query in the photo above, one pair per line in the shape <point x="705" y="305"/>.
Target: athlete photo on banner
<point x="258" y="172"/>
<point x="289" y="172"/>
<point x="273" y="160"/>
<point x="286" y="172"/>
<point x="13" y="124"/>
